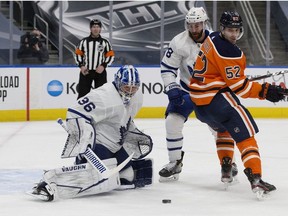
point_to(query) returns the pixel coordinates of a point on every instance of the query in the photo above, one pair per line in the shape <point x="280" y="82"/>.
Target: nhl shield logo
<point x="100" y="48"/>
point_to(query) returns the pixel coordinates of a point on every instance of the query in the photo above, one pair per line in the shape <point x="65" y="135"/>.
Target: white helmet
<point x="196" y="14"/>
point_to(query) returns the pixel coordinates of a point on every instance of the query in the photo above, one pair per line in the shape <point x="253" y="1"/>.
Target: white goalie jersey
<point x="181" y="54"/>
<point x="111" y="119"/>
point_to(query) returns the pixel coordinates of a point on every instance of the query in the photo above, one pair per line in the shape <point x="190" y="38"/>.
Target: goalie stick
<point x="96" y="162"/>
<point x="269" y="75"/>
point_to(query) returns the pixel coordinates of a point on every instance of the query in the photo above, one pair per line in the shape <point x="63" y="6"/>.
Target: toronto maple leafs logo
<point x="123" y="132"/>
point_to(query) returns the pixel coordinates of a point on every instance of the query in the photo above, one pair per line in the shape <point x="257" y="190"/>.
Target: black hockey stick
<point x="269" y="75"/>
<point x="283" y="91"/>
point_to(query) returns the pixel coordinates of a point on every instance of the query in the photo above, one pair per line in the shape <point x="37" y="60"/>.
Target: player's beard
<point x="196" y="36"/>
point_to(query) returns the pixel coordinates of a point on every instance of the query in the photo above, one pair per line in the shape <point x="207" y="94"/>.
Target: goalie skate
<point x="259" y="187"/>
<point x="170" y="172"/>
<point x="42" y="191"/>
<point x="229" y="172"/>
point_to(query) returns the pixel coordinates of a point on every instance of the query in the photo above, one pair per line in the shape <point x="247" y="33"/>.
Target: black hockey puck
<point x="166" y="201"/>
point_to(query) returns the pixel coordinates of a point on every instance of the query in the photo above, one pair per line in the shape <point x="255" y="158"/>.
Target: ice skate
<point x="229" y="172"/>
<point x="258" y="186"/>
<point x="42" y="191"/>
<point x="170" y="171"/>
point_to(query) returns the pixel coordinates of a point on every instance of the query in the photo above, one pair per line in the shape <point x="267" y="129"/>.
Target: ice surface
<point x="28" y="148"/>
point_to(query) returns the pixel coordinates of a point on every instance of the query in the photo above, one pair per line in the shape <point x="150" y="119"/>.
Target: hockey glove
<point x="174" y="92"/>
<point x="272" y="93"/>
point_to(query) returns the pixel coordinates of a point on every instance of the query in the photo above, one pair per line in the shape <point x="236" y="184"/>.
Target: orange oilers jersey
<point x="220" y="65"/>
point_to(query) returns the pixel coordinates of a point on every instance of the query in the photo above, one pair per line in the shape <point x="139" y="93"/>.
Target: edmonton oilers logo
<point x="55" y="88"/>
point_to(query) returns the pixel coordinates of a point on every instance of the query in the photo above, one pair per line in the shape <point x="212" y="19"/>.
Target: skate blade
<point x="261" y="194"/>
<point x="37" y="196"/>
<point x="230" y="183"/>
<point x="172" y="178"/>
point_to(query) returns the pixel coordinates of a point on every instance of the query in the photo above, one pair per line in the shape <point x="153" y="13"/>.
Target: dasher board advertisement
<point x="56" y="87"/>
<point x="13" y="88"/>
<point x="52" y="88"/>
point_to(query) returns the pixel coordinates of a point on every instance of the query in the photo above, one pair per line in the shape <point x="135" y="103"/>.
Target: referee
<point x="93" y="55"/>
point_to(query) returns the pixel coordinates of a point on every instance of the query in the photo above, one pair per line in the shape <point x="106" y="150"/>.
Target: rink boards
<point x="45" y="93"/>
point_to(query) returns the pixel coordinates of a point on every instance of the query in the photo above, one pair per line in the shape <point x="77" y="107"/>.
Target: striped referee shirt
<point x="93" y="52"/>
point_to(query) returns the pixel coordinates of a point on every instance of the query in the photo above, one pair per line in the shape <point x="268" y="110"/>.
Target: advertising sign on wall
<point x="13" y="89"/>
<point x="45" y="93"/>
<point x="53" y="87"/>
<point x="57" y="87"/>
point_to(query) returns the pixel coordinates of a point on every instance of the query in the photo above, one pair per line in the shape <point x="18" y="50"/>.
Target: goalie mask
<point x="127" y="82"/>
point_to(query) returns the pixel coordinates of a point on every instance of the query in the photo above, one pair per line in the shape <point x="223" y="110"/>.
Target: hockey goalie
<point x="108" y="148"/>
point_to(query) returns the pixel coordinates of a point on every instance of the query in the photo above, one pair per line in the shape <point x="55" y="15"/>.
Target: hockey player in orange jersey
<point x="217" y="80"/>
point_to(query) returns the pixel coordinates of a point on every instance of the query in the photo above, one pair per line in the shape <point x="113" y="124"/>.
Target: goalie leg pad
<point x="143" y="172"/>
<point x="81" y="180"/>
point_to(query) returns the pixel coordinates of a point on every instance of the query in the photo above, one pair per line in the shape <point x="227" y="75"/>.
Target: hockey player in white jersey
<point x="102" y="135"/>
<point x="181" y="55"/>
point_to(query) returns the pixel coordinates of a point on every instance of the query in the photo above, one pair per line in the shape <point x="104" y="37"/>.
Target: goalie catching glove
<point x="272" y="93"/>
<point x="138" y="143"/>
